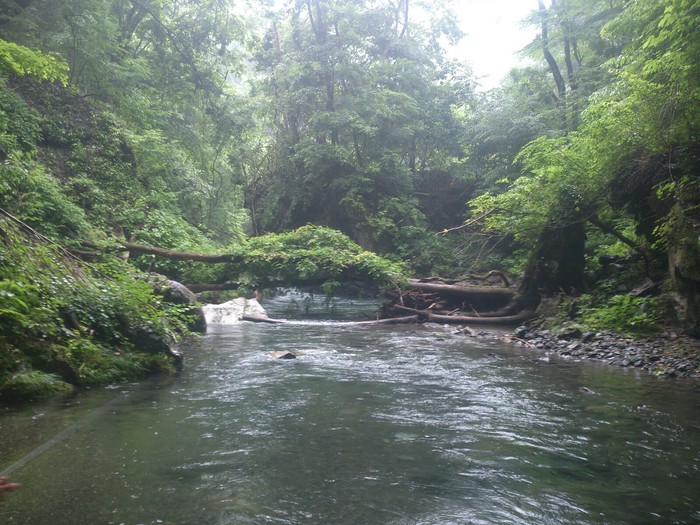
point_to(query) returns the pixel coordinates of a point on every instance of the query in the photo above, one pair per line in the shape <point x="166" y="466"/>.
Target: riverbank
<point x="668" y="354"/>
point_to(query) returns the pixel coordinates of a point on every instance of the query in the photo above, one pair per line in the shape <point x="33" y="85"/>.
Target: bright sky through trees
<point x="494" y="35"/>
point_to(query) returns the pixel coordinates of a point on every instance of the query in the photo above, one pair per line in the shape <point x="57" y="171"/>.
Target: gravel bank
<point x="668" y="354"/>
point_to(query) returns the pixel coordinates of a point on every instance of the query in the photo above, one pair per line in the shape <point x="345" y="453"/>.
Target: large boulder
<point x="177" y="293"/>
<point x="152" y="341"/>
<point x="233" y="311"/>
<point x="148" y="340"/>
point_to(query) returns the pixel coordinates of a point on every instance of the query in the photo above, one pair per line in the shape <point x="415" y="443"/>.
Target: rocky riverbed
<point x="667" y="354"/>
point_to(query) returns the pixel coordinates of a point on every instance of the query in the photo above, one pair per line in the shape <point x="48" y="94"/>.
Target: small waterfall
<point x="232" y="311"/>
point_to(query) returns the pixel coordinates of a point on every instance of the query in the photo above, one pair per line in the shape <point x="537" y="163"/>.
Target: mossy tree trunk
<point x="684" y="261"/>
<point x="556" y="265"/>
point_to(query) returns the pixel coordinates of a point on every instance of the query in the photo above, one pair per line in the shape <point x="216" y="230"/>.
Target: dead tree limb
<point x="393" y="320"/>
<point x="467" y="224"/>
<point x="610" y="230"/>
<point x="467" y="293"/>
<point x="212" y="287"/>
<point x="180" y="256"/>
<point x="261" y="319"/>
<point x="520" y="317"/>
<point x="497" y="273"/>
<point x="171" y="255"/>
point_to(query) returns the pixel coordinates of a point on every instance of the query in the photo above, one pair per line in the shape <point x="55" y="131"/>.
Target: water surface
<point x="370" y="425"/>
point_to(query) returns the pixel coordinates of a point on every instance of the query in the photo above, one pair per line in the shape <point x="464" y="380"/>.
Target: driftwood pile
<point x="441" y="302"/>
<point x="445" y="303"/>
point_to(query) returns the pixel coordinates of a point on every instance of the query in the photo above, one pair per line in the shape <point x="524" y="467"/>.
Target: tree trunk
<point x="175" y="255"/>
<point x="466" y="293"/>
<point x="684" y="264"/>
<point x="551" y="61"/>
<point x="558" y="262"/>
<point x="427" y="315"/>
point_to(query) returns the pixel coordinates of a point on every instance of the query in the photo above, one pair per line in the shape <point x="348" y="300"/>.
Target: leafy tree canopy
<point x="312" y="255"/>
<point x="20" y="60"/>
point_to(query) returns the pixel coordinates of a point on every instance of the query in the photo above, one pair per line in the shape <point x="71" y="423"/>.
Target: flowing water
<point x="369" y="425"/>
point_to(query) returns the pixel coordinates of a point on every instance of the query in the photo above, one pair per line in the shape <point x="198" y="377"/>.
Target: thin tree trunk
<point x="551" y="61"/>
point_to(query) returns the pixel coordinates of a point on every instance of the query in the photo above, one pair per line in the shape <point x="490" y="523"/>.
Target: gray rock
<point x="283" y="354"/>
<point x="571" y="332"/>
<point x="147" y="340"/>
<point x="177" y="293"/>
<point x="587" y="337"/>
<point x="521" y="332"/>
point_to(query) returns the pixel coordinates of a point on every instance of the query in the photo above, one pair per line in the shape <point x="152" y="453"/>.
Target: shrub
<point x="28" y="191"/>
<point x="33" y="384"/>
<point x="621" y="313"/>
<point x="310" y="255"/>
<point x="64" y="321"/>
<point x="19" y="124"/>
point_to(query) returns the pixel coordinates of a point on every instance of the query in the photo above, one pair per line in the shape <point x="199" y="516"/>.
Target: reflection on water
<point x="371" y="425"/>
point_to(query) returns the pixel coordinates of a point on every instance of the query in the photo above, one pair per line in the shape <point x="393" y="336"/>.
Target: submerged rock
<point x="232" y="311"/>
<point x="283" y="354"/>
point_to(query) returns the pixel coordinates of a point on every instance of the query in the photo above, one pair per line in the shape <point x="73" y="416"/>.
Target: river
<point x="369" y="425"/>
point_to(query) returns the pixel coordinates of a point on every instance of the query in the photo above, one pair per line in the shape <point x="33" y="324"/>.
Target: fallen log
<point x="422" y="295"/>
<point x="262" y="319"/>
<point x="427" y="315"/>
<point x="391" y="320"/>
<point x="171" y="255"/>
<point x="502" y="320"/>
<point x="212" y="287"/>
<point x="467" y="293"/>
<point x="493" y="273"/>
<point x="180" y="256"/>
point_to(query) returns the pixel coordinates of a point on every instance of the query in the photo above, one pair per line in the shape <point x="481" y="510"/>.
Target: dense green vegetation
<point x="66" y="323"/>
<point x="211" y="126"/>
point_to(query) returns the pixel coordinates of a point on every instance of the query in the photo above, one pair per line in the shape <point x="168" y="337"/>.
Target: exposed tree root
<point x="439" y="302"/>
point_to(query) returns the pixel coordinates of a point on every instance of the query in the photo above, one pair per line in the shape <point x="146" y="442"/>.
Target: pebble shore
<point x="668" y="354"/>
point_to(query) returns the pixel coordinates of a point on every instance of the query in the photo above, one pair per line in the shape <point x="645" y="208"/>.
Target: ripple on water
<point x="379" y="426"/>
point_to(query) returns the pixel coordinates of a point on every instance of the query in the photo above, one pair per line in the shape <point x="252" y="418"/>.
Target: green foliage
<point x="351" y="118"/>
<point x="59" y="316"/>
<point x="28" y="191"/>
<point x="164" y="229"/>
<point x="506" y="119"/>
<point x="310" y="255"/>
<point x="33" y="384"/>
<point x="600" y="244"/>
<point x="676" y="229"/>
<point x="19" y="60"/>
<point x="16" y="300"/>
<point x="173" y="130"/>
<point x="361" y="110"/>
<point x="621" y="313"/>
<point x="19" y="124"/>
<point x="95" y="363"/>
<point x="651" y="105"/>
